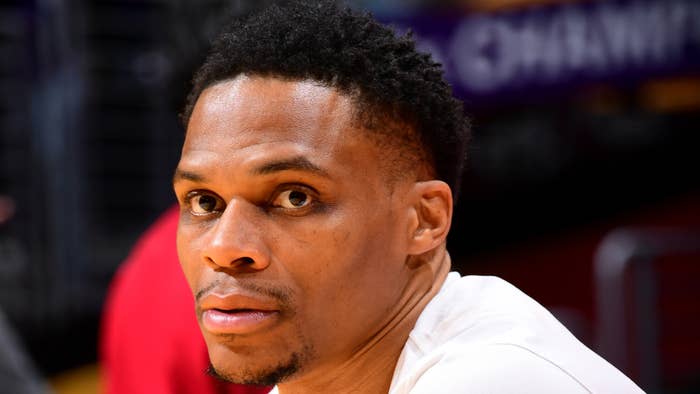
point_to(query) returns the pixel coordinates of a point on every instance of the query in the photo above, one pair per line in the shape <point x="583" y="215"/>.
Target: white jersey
<point x="480" y="334"/>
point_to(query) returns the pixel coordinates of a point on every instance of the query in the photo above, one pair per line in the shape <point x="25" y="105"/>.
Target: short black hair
<point x="351" y="52"/>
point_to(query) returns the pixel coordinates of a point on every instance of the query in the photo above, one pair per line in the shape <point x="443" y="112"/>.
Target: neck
<point x="371" y="367"/>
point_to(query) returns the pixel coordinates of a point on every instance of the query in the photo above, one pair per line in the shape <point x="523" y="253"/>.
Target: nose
<point x="236" y="241"/>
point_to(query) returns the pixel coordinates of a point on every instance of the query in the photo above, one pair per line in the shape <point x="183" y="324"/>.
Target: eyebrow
<point x="298" y="163"/>
<point x="187" y="175"/>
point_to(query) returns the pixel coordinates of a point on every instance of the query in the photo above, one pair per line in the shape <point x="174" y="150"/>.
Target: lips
<point x="237" y="314"/>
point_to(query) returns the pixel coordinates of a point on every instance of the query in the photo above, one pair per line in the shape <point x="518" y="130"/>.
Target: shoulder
<point x="495" y="368"/>
<point x="481" y="334"/>
<point x="485" y="307"/>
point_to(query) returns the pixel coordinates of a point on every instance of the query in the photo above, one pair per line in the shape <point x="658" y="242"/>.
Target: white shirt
<point x="480" y="335"/>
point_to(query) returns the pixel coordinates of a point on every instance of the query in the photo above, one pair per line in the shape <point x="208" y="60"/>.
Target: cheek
<point x="351" y="260"/>
<point x="375" y="262"/>
<point x="351" y="291"/>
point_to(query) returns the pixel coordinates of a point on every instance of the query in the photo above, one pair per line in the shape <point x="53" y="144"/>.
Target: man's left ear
<point x="431" y="212"/>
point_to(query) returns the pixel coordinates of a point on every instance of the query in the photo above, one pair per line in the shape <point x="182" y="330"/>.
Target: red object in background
<point x="150" y="341"/>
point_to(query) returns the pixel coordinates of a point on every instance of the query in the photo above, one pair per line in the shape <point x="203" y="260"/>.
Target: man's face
<point x="291" y="239"/>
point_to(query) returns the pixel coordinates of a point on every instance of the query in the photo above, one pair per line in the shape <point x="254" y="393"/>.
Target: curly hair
<point x="389" y="81"/>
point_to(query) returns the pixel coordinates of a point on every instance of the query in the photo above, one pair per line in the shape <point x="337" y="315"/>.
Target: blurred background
<point x="582" y="187"/>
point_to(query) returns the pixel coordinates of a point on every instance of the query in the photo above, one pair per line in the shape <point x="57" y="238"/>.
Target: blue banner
<point x="551" y="47"/>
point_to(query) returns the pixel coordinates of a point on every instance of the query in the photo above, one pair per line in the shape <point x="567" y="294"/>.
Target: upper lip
<point x="236" y="301"/>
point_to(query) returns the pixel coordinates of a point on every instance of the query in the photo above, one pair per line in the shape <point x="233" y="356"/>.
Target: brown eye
<point x="292" y="199"/>
<point x="205" y="203"/>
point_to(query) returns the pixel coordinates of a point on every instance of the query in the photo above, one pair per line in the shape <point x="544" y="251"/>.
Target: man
<point x="316" y="193"/>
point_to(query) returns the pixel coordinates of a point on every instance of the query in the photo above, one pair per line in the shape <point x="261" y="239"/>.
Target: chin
<point x="270" y="376"/>
<point x="252" y="368"/>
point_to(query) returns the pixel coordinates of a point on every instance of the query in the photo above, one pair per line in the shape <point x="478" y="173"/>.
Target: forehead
<point x="248" y="107"/>
<point x="257" y="117"/>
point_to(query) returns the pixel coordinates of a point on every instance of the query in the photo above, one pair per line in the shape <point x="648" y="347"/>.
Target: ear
<point x="431" y="216"/>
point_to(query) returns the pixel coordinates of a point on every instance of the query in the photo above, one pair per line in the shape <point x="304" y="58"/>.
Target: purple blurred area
<point x="586" y="120"/>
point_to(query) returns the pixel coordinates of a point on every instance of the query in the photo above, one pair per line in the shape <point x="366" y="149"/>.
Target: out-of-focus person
<point x="18" y="374"/>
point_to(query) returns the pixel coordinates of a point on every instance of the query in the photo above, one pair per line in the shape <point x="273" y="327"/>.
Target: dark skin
<point x="309" y="268"/>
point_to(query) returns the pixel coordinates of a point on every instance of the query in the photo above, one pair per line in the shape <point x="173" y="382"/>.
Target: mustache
<point x="282" y="294"/>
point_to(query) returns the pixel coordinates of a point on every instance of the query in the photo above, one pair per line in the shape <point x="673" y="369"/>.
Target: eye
<point x="202" y="204"/>
<point x="292" y="199"/>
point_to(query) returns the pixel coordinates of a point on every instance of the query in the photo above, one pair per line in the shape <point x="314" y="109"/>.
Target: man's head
<point x="310" y="188"/>
<point x="391" y="84"/>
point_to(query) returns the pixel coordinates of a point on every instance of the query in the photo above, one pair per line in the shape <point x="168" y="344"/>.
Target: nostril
<point x="242" y="261"/>
<point x="246" y="260"/>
